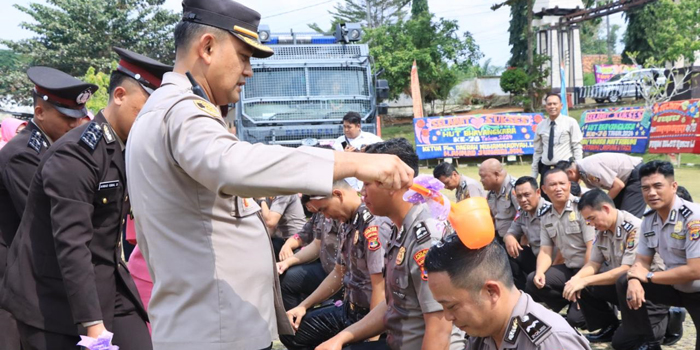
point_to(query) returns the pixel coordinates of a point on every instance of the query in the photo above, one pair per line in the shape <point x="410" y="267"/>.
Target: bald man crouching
<point x="475" y="288"/>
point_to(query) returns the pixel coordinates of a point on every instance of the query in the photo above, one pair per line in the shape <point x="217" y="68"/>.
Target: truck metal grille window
<point x="338" y="81"/>
<point x="315" y="52"/>
<point x="304" y="110"/>
<point x="276" y="82"/>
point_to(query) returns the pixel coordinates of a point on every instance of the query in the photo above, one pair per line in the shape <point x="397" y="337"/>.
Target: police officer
<point x="501" y="200"/>
<point x="611" y="256"/>
<point x="525" y="229"/>
<point x="59" y="106"/>
<point x="410" y="315"/>
<point x="358" y="268"/>
<point x="303" y="272"/>
<point x="66" y="275"/>
<point x="557" y="138"/>
<point x="189" y="176"/>
<point x="615" y="172"/>
<point x="672" y="229"/>
<point x="477" y="293"/>
<point x="563" y="226"/>
<point x="284" y="217"/>
<point x="464" y="186"/>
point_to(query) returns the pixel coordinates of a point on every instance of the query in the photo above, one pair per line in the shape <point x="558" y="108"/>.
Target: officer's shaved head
<point x="469" y="268"/>
<point x="492" y="165"/>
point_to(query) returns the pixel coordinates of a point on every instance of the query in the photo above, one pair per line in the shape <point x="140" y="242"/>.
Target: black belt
<point x="354" y="309"/>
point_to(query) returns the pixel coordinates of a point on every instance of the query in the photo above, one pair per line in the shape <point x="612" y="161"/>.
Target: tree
<point x="100" y="98"/>
<point x="74" y="35"/>
<point x="372" y="13"/>
<point x="440" y="53"/>
<point x="517" y="38"/>
<point x="419" y="8"/>
<point x="663" y="32"/>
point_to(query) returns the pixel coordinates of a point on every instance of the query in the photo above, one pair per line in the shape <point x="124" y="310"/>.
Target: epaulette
<point x="575" y="200"/>
<point x="512" y="181"/>
<point x="649" y="212"/>
<point x="91" y="136"/>
<point x="36" y="141"/>
<point x="513" y="330"/>
<point x="367" y="216"/>
<point x="422" y="233"/>
<point x="627" y="226"/>
<point x="685" y="211"/>
<point x="533" y="327"/>
<point x="544" y="209"/>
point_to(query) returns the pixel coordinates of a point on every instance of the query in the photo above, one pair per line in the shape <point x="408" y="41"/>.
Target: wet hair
<point x="186" y="32"/>
<point x="550" y="172"/>
<point x="526" y="180"/>
<point x="399" y="147"/>
<point x="552" y="94"/>
<point x="683" y="193"/>
<point x="575" y="189"/>
<point x="352" y="118"/>
<point x="469" y="268"/>
<point x="657" y="167"/>
<point x="564" y="165"/>
<point x="594" y="199"/>
<point x="444" y="169"/>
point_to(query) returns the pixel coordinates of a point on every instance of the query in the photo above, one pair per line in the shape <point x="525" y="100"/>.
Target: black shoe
<point x="649" y="346"/>
<point x="674" y="330"/>
<point x="605" y="335"/>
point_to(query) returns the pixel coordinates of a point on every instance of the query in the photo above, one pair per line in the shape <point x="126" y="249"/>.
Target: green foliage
<point x="663" y="32"/>
<point x="588" y="79"/>
<point x="419" y="8"/>
<point x="594" y="40"/>
<point x="98" y="100"/>
<point x="74" y="35"/>
<point x="486" y="69"/>
<point x="440" y="53"/>
<point x="515" y="81"/>
<point x="356" y="11"/>
<point x="518" y="36"/>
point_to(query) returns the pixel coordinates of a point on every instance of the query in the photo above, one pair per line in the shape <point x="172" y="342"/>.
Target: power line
<point x="299" y="9"/>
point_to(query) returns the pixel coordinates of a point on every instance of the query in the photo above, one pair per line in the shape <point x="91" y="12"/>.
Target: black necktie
<point x="550" y="149"/>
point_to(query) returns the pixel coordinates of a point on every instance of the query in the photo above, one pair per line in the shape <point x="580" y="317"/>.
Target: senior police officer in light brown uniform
<point x="562" y="226"/>
<point x="215" y="282"/>
<point x="503" y="204"/>
<point x="616" y="173"/>
<point x="612" y="255"/>
<point x="477" y="293"/>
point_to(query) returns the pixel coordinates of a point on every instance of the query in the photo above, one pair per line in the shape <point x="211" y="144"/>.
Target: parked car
<point x="629" y="84"/>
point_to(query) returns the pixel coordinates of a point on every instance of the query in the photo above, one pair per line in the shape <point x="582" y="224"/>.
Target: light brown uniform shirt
<point x="532" y="326"/>
<point x="206" y="246"/>
<point x="468" y="188"/>
<point x="503" y="205"/>
<point x="292" y="215"/>
<point x="528" y="224"/>
<point x="619" y="247"/>
<point x="601" y="169"/>
<point x="567" y="231"/>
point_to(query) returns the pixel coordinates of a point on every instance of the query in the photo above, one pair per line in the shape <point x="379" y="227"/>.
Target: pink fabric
<point x="139" y="271"/>
<point x="8" y="129"/>
<point x="130" y="230"/>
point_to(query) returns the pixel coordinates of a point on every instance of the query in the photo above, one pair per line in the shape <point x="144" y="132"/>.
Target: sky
<point x="489" y="28"/>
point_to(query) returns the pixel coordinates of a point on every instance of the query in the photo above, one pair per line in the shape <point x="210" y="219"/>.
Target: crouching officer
<point x="671" y="228"/>
<point x="612" y="255"/>
<point x="476" y="289"/>
<point x="66" y="274"/>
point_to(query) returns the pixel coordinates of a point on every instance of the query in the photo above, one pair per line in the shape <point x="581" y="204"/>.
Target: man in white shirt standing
<point x="556" y="138"/>
<point x="353" y="140"/>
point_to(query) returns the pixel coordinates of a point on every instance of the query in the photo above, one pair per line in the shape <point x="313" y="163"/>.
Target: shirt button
<point x="123" y="221"/>
<point x="397" y="281"/>
<point x="104" y="200"/>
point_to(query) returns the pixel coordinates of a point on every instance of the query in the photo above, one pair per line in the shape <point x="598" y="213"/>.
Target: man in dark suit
<point x="59" y="106"/>
<point x="66" y="274"/>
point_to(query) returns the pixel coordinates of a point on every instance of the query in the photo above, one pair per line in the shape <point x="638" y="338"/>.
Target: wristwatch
<point x="649" y="276"/>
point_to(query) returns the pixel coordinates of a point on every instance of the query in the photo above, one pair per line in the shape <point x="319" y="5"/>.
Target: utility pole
<point x="369" y="14"/>
<point x="607" y="39"/>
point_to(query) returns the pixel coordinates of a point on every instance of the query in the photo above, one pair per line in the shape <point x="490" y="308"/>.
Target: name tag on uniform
<point x="649" y="234"/>
<point x="108" y="184"/>
<point x="548" y="225"/>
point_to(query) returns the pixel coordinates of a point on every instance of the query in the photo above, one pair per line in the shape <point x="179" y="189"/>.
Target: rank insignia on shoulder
<point x="36" y="141"/>
<point x="533" y="327"/>
<point x="109" y="136"/>
<point x="627" y="226"/>
<point x="544" y="209"/>
<point x="372" y="235"/>
<point x="512" y="182"/>
<point x="685" y="211"/>
<point x="512" y="331"/>
<point x="91" y="136"/>
<point x="422" y="234"/>
<point x="575" y="200"/>
<point x="367" y="216"/>
<point x="207" y="107"/>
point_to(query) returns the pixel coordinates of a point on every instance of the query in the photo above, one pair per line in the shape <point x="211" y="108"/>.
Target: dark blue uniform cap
<point x="63" y="91"/>
<point x="147" y="71"/>
<point x="230" y="16"/>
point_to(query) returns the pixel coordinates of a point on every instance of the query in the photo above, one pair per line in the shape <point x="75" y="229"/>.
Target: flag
<point x="415" y="92"/>
<point x="564" y="104"/>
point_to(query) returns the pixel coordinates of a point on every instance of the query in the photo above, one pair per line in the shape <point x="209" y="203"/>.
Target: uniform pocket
<point x="107" y="206"/>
